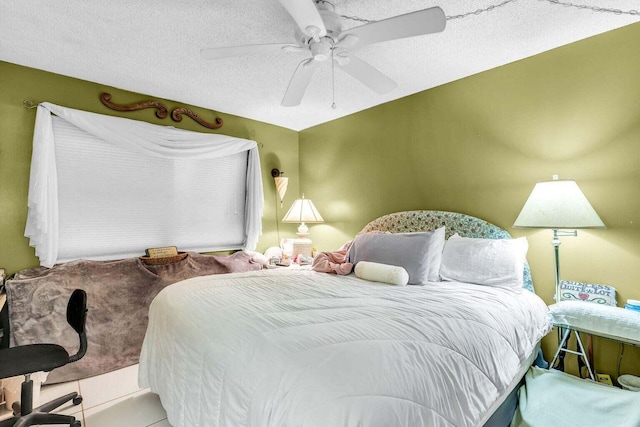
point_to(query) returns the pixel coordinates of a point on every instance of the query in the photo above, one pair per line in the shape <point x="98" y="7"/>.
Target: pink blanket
<point x="333" y="262"/>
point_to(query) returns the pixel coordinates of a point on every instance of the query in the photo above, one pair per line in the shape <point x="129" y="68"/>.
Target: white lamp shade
<point x="558" y="204"/>
<point x="303" y="210"/>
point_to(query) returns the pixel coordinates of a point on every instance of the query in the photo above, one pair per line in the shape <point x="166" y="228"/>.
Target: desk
<point x="613" y="323"/>
<point x="4" y="324"/>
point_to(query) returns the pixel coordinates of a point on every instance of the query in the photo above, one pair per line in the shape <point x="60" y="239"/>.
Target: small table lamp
<point x="303" y="211"/>
<point x="558" y="205"/>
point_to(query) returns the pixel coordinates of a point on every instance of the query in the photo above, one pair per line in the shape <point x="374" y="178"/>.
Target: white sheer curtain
<point x="144" y="140"/>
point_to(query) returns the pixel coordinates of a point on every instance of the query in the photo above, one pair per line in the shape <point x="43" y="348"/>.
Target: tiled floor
<point x="111" y="400"/>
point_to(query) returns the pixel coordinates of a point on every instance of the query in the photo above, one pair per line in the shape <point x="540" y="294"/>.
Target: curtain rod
<point x="29" y="104"/>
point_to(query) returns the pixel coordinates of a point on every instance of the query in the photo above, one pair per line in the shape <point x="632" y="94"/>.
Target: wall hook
<point x="29" y="104"/>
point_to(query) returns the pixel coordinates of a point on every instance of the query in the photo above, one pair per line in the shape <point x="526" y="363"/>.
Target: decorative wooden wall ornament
<point x="161" y="111"/>
<point x="177" y="113"/>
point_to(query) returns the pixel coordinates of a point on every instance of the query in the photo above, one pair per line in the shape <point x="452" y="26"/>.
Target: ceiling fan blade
<point x="299" y="82"/>
<point x="427" y="21"/>
<point x="366" y="74"/>
<point x="306" y="15"/>
<point x="251" y="49"/>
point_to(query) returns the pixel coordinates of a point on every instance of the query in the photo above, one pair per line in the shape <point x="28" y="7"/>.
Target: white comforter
<point x="293" y="348"/>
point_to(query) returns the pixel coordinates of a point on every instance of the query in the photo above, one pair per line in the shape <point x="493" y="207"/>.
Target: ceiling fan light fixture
<point x="321" y="51"/>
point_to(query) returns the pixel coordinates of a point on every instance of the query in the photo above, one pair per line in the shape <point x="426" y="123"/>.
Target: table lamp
<point x="559" y="205"/>
<point x="303" y="211"/>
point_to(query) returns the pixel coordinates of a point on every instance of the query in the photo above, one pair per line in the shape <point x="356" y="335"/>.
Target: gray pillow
<point x="419" y="253"/>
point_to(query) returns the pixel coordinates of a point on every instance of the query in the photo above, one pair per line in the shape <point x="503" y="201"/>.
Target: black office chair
<point x="27" y="359"/>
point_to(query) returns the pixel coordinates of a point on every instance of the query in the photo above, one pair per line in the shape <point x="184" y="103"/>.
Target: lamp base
<point x="302" y="246"/>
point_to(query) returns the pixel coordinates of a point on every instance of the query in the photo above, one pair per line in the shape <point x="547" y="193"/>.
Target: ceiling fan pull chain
<point x="333" y="82"/>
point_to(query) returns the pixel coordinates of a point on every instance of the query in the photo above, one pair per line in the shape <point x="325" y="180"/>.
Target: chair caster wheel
<point x="77" y="424"/>
<point x="77" y="401"/>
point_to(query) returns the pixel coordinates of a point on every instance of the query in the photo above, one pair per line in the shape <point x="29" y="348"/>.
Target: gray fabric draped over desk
<point x="118" y="293"/>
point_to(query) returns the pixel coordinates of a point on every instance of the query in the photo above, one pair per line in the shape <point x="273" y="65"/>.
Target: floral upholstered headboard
<point x="464" y="225"/>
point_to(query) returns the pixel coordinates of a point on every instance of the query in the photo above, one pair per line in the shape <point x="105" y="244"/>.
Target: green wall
<point x="479" y="145"/>
<point x="278" y="147"/>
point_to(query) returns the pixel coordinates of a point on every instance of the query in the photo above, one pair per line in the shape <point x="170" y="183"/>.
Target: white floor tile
<point x="107" y="387"/>
<point x="53" y="391"/>
<point x="48" y="393"/>
<point x="110" y="400"/>
<point x="140" y="409"/>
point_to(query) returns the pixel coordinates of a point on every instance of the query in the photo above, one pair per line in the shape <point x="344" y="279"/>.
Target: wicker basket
<point x="165" y="260"/>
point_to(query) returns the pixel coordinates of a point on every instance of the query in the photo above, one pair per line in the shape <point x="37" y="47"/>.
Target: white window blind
<point x="109" y="196"/>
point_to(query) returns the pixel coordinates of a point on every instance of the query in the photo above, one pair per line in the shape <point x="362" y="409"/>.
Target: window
<point x="107" y="188"/>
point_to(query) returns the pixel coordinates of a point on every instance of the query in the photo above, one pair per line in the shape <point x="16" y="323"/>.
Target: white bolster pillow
<point x="376" y="272"/>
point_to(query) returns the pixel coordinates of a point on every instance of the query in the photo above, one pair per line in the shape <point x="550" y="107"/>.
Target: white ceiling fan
<point x="320" y="32"/>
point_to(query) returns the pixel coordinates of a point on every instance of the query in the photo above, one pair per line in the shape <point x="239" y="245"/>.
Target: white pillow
<point x="492" y="262"/>
<point x="376" y="272"/>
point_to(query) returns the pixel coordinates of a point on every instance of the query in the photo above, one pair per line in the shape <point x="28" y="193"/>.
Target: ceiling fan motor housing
<point x="321" y="51"/>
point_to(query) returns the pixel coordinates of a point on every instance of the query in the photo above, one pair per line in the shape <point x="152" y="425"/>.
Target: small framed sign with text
<point x="164" y="252"/>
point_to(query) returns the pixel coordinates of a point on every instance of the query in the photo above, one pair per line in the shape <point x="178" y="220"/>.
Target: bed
<point x="295" y="347"/>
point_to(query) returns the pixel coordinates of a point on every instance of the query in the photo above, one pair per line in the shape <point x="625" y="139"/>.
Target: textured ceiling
<point x="153" y="47"/>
